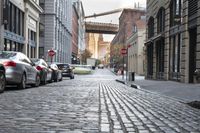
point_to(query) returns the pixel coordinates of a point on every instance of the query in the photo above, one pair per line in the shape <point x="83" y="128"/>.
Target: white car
<point x="100" y="66"/>
<point x="19" y="69"/>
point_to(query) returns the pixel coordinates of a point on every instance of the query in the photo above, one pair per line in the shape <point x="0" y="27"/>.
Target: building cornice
<point x="35" y="5"/>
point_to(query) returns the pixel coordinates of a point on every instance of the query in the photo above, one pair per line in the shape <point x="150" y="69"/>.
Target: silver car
<point x="20" y="70"/>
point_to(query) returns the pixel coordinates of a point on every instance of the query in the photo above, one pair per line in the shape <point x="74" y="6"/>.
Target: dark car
<point x="57" y="73"/>
<point x="2" y="78"/>
<point x="45" y="71"/>
<point x="67" y="70"/>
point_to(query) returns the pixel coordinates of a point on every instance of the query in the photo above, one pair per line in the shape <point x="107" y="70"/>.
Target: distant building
<point x="20" y="29"/>
<point x="92" y="44"/>
<point x="127" y="22"/>
<point x="78" y="32"/>
<point x="97" y="46"/>
<point x="172" y="42"/>
<point x="103" y="50"/>
<point x="135" y="48"/>
<point x="56" y="29"/>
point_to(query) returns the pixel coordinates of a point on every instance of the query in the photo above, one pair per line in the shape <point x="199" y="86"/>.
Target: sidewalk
<point x="183" y="92"/>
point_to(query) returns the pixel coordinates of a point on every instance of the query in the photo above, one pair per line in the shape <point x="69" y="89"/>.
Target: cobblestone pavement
<point x="125" y="109"/>
<point x="70" y="106"/>
<point x="92" y="104"/>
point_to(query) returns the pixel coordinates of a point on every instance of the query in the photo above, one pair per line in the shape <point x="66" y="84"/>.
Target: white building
<point x="56" y="31"/>
<point x="135" y="50"/>
<point x="81" y="26"/>
<point x="20" y="29"/>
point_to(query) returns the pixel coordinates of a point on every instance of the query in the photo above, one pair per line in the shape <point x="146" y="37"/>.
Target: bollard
<point x="131" y="76"/>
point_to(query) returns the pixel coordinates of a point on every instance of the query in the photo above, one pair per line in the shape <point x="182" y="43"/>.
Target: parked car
<point x="19" y="69"/>
<point x="100" y="66"/>
<point x="57" y="73"/>
<point x="2" y="78"/>
<point x="46" y="73"/>
<point x="67" y="70"/>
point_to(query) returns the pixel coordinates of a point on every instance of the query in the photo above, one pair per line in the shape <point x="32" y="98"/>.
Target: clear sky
<point x="99" y="6"/>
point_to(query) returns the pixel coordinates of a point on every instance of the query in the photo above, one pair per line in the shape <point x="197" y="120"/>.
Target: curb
<point x="120" y="81"/>
<point x="135" y="86"/>
<point x="132" y="85"/>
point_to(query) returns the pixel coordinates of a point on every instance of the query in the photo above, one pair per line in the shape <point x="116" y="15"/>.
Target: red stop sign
<point x="123" y="51"/>
<point x="51" y="52"/>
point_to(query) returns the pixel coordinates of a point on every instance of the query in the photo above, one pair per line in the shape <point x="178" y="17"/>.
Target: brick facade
<point x="127" y="21"/>
<point x="74" y="35"/>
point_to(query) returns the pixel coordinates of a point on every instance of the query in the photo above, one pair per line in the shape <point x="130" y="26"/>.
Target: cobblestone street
<point x="91" y="104"/>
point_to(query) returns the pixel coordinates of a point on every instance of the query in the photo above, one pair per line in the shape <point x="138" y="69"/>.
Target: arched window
<point x="151" y="27"/>
<point x="161" y="20"/>
<point x="175" y="12"/>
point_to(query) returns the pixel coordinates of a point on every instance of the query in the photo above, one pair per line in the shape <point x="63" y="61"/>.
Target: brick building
<point x="127" y="22"/>
<point x="75" y="33"/>
<point x="172" y="43"/>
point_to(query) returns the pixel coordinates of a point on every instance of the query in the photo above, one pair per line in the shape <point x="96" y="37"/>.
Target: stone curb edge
<point x="135" y="86"/>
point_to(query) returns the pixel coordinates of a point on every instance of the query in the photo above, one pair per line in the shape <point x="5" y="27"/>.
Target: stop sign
<point x="123" y="51"/>
<point x="51" y="52"/>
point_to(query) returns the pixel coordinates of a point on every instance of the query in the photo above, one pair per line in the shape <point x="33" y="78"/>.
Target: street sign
<point x="51" y="52"/>
<point x="123" y="51"/>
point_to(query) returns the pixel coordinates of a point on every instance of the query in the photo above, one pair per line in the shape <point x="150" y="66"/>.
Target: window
<point x="41" y="52"/>
<point x="193" y="6"/>
<point x="134" y="28"/>
<point x="41" y="30"/>
<point x="22" y="26"/>
<point x="161" y="20"/>
<point x="42" y="3"/>
<point x="175" y="57"/>
<point x="175" y="12"/>
<point x="151" y="27"/>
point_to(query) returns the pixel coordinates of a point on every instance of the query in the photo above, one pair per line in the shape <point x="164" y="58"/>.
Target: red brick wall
<point x="75" y="32"/>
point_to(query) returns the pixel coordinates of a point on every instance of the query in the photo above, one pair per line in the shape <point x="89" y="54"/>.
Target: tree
<point x="86" y="54"/>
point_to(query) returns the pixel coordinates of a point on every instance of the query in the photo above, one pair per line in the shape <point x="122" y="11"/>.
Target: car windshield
<point x="7" y="55"/>
<point x="60" y="66"/>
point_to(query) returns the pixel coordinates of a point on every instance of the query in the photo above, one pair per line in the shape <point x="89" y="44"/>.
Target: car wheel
<point x="22" y="85"/>
<point x="72" y="77"/>
<point x="61" y="78"/>
<point x="56" y="78"/>
<point x="44" y="82"/>
<point x="2" y="81"/>
<point x="37" y="82"/>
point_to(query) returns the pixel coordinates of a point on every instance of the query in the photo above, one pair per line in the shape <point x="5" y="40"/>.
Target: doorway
<point x="192" y="53"/>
